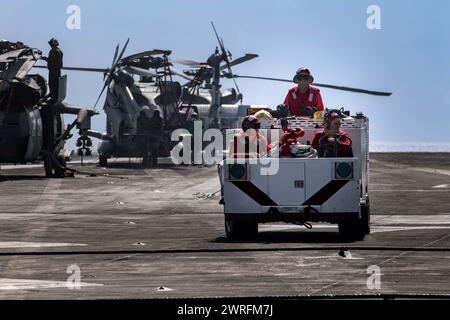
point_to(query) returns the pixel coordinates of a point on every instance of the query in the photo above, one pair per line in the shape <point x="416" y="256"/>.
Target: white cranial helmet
<point x="265" y="119"/>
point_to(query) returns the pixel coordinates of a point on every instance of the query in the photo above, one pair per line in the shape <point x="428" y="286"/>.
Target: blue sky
<point x="409" y="56"/>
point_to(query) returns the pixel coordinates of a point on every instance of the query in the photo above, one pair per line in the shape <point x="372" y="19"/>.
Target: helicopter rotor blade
<point x="231" y="73"/>
<point x="218" y="39"/>
<point x="225" y="56"/>
<point x="140" y="71"/>
<point x="116" y="52"/>
<point x="78" y="69"/>
<point x="122" y="52"/>
<point x="236" y="85"/>
<point x="350" y="89"/>
<point x="247" y="57"/>
<point x="180" y="74"/>
<point x="228" y="75"/>
<point x="189" y="63"/>
<point x="101" y="92"/>
<point x="342" y="88"/>
<point x="11" y="56"/>
<point x="108" y="73"/>
<point x="146" y="54"/>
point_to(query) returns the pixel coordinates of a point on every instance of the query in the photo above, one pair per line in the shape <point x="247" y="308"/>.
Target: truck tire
<point x="351" y="230"/>
<point x="102" y="161"/>
<point x="365" y="216"/>
<point x="240" y="228"/>
<point x="357" y="230"/>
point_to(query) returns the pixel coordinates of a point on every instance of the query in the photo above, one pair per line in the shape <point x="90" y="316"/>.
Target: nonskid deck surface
<point x="138" y="232"/>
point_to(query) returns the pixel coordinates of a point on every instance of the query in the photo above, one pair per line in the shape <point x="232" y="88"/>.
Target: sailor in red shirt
<point x="332" y="141"/>
<point x="303" y="100"/>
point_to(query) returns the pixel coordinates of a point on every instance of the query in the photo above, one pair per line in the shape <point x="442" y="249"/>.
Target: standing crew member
<point x="303" y="99"/>
<point x="156" y="133"/>
<point x="143" y="133"/>
<point x="332" y="141"/>
<point x="190" y="126"/>
<point x="54" y="65"/>
<point x="190" y="123"/>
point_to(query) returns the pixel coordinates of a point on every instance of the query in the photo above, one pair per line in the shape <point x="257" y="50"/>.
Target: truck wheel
<point x="357" y="230"/>
<point x="365" y="216"/>
<point x="102" y="161"/>
<point x="351" y="230"/>
<point x="240" y="229"/>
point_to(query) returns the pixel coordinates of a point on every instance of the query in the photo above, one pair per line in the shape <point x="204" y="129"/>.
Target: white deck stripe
<point x="23" y="244"/>
<point x="28" y="284"/>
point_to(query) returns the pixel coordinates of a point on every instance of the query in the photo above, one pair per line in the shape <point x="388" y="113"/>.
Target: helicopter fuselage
<point x="23" y="133"/>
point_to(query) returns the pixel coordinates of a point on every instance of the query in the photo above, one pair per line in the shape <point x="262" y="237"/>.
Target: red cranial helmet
<point x="250" y="122"/>
<point x="330" y="115"/>
<point x="303" y="72"/>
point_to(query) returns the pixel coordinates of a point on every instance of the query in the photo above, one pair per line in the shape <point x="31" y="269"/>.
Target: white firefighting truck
<point x="304" y="188"/>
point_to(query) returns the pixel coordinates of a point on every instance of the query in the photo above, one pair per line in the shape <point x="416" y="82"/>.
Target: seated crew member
<point x="249" y="142"/>
<point x="143" y="135"/>
<point x="245" y="144"/>
<point x="332" y="141"/>
<point x="303" y="99"/>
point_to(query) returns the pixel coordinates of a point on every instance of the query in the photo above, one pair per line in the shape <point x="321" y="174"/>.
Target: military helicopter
<point x="218" y="107"/>
<point x="156" y="89"/>
<point x="31" y="128"/>
<point x="127" y="98"/>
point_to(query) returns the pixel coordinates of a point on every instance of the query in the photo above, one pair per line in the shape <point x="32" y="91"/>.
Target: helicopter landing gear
<point x="84" y="144"/>
<point x="154" y="160"/>
<point x="102" y="160"/>
<point x="48" y="167"/>
<point x="55" y="167"/>
<point x="145" y="159"/>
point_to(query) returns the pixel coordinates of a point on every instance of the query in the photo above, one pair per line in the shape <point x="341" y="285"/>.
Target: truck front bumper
<point x="275" y="214"/>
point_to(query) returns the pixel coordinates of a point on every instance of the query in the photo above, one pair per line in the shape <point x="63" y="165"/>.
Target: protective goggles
<point x="303" y="77"/>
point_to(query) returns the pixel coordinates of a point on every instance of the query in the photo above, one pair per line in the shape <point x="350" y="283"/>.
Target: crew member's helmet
<point x="194" y="116"/>
<point x="265" y="118"/>
<point x="303" y="72"/>
<point x="250" y="122"/>
<point x="318" y="115"/>
<point x="283" y="110"/>
<point x="53" y="42"/>
<point x="330" y="115"/>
